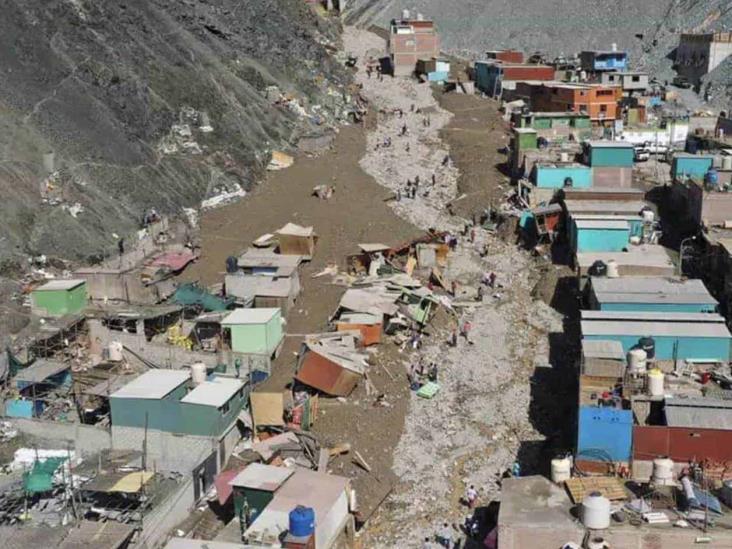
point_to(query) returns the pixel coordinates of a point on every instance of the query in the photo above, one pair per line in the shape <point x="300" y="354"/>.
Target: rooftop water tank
<point x="198" y="373"/>
<point x="596" y="511"/>
<point x="612" y="269"/>
<point x="302" y="521"/>
<point x="115" y="351"/>
<point x="561" y="469"/>
<point x="405" y="15"/>
<point x="711" y="178"/>
<point x="648" y="216"/>
<point x="637" y="361"/>
<point x="655" y="383"/>
<point x="663" y="472"/>
<point x="727" y="163"/>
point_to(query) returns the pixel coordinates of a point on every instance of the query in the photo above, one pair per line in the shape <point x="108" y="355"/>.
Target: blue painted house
<point x="604" y="432"/>
<point x="559" y="175"/>
<point x="34" y="383"/>
<point x="690" y="165"/>
<point x="599" y="235"/>
<point x="694" y="336"/>
<point x="598" y="60"/>
<point x="650" y="294"/>
<point x="609" y="154"/>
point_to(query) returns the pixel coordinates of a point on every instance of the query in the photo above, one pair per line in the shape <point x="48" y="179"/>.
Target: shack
<point x="557" y="175"/>
<point x="59" y="298"/>
<point x="611" y="162"/>
<point x="36" y="386"/>
<point x="650" y="294"/>
<point x="254" y="331"/>
<point x="255" y="487"/>
<point x="686" y="165"/>
<point x="296" y="240"/>
<point x="331" y="363"/>
<point x="677" y="336"/>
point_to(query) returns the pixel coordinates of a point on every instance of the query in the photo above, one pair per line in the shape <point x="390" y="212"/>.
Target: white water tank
<point x="614" y="47"/>
<point x="115" y="351"/>
<point x="655" y="382"/>
<point x="637" y="361"/>
<point x="596" y="511"/>
<point x="564" y="157"/>
<point x="635" y="240"/>
<point x="612" y="269"/>
<point x="648" y="217"/>
<point x="596" y="542"/>
<point x="688" y="488"/>
<point x="405" y="15"/>
<point x="420" y="17"/>
<point x="561" y="470"/>
<point x="727" y="162"/>
<point x="198" y="373"/>
<point x="663" y="472"/>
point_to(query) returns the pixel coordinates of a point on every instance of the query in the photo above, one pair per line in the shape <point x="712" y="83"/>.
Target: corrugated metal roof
<point x="187" y="543"/>
<point x="250" y="316"/>
<point x="55" y="285"/>
<point x="601" y="224"/>
<point x="254" y="257"/>
<point x="651" y="290"/>
<point x="216" y="392"/>
<point x="41" y="370"/>
<point x="651" y="329"/>
<point x="644" y="316"/>
<point x="258" y="286"/>
<point x="604" y="206"/>
<point x="262" y="477"/>
<point x="702" y="413"/>
<point x="609" y="349"/>
<point x="647" y="255"/>
<point x="153" y="384"/>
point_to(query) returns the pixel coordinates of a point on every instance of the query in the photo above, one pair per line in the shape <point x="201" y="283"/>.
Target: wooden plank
<point x="323" y="457"/>
<point x="610" y="487"/>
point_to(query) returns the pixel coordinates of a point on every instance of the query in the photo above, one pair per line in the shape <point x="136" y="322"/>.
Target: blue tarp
<point x="19" y="408"/>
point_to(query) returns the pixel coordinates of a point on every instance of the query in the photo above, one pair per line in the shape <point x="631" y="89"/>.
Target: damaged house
<point x="331" y="363"/>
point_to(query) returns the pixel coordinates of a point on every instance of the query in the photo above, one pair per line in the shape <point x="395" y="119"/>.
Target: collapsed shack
<point x="296" y="240"/>
<point x="40" y="390"/>
<point x="331" y="363"/>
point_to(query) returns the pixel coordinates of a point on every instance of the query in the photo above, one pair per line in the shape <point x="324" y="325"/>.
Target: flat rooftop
<point x="654" y="289"/>
<point x="215" y="392"/>
<point x="153" y="384"/>
<point x="249" y="316"/>
<point x="56" y="285"/>
<point x="614" y="225"/>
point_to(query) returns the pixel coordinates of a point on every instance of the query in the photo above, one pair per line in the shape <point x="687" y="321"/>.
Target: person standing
<point x="471" y="496"/>
<point x="444" y="536"/>
<point x="465" y="330"/>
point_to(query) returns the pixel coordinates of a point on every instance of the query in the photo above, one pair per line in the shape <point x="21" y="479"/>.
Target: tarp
<point x="191" y="294"/>
<point x="40" y="477"/>
<point x="132" y="483"/>
<point x="267" y="408"/>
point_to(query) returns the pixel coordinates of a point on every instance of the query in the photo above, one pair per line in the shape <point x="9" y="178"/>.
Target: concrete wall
<point x="86" y="439"/>
<point x="168" y="514"/>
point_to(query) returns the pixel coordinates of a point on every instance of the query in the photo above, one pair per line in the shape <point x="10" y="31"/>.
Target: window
<point x="636" y="78"/>
<point x="225" y="409"/>
<point x="603" y="108"/>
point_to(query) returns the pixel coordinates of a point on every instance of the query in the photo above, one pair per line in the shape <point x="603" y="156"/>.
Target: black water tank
<point x="648" y="345"/>
<point x="598" y="268"/>
<point x="232" y="264"/>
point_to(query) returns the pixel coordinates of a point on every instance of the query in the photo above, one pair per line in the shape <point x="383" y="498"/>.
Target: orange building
<point x="600" y="102"/>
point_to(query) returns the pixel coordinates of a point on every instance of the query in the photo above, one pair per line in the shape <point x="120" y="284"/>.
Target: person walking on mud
<point x="465" y="331"/>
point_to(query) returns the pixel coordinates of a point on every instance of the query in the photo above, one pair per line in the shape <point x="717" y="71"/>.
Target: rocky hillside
<point x="146" y="103"/>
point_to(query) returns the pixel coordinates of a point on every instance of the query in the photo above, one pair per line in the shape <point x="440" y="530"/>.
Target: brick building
<point x="411" y="40"/>
<point x="492" y="77"/>
<point x="598" y="101"/>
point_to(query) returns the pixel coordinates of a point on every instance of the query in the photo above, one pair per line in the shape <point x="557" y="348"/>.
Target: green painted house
<point x="254" y="331"/>
<point x="255" y="487"/>
<point x="166" y="401"/>
<point x="553" y="120"/>
<point x="609" y="154"/>
<point x="59" y="298"/>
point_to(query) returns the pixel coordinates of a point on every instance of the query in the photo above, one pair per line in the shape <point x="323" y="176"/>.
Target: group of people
<point x="445" y="536"/>
<point x="420" y="373"/>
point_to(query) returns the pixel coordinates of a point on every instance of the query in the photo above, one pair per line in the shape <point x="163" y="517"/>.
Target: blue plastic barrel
<point x="302" y="521"/>
<point x="712" y="178"/>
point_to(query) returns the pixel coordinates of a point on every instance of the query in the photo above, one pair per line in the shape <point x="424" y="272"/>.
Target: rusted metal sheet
<point x="370" y="333"/>
<point x="681" y="444"/>
<point x="325" y="375"/>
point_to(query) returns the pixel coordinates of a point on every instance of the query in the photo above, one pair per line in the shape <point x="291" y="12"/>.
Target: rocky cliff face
<point x="146" y="103"/>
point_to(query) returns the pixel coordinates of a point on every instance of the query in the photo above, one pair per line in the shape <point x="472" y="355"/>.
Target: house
<point x="369" y="326"/>
<point x="630" y="82"/>
<point x="650" y="294"/>
<point x="436" y="69"/>
<point x="185" y="425"/>
<point x="506" y="56"/>
<point x="327" y="495"/>
<point x="409" y="41"/>
<point x="296" y="240"/>
<point x="254" y="331"/>
<point x="671" y="132"/>
<point x="598" y="60"/>
<point x="643" y="260"/>
<point x="597" y="101"/>
<point x="331" y="363"/>
<point x="59" y="298"/>
<point x="555" y="125"/>
<point x="696" y="336"/>
<point x="255" y="487"/>
<point x="685" y="165"/>
<point x="557" y="175"/>
<point x="612" y="163"/>
<point x="599" y="235"/>
<point x="700" y="53"/>
<point x="492" y="77"/>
